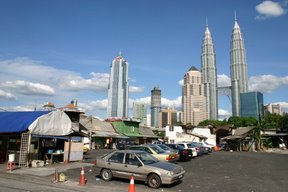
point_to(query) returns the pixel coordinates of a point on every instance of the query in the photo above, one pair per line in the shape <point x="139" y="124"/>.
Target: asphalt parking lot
<point x="219" y="171"/>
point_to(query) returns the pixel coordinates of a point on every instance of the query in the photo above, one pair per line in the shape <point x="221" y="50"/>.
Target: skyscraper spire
<point x="209" y="75"/>
<point x="238" y="68"/>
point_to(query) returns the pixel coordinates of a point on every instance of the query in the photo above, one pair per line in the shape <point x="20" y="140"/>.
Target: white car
<point x="187" y="145"/>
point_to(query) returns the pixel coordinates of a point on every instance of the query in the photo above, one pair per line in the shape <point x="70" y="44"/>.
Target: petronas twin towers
<point x="238" y="72"/>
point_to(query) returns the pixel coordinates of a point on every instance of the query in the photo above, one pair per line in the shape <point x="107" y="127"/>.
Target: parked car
<point x="157" y="152"/>
<point x="199" y="148"/>
<point x="142" y="165"/>
<point x="187" y="145"/>
<point x="184" y="154"/>
<point x="208" y="149"/>
<point x="166" y="148"/>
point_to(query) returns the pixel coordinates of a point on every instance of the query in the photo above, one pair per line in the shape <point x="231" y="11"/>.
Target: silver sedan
<point x="141" y="165"/>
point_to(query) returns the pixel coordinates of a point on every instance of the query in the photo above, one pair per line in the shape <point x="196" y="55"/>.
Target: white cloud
<point x="28" y="88"/>
<point x="7" y="96"/>
<point x="268" y="9"/>
<point x="97" y="82"/>
<point x="223" y="80"/>
<point x="181" y="82"/>
<point x="266" y="83"/>
<point x="30" y="70"/>
<point x="223" y="114"/>
<point x="19" y="108"/>
<point x="176" y="103"/>
<point x="133" y="89"/>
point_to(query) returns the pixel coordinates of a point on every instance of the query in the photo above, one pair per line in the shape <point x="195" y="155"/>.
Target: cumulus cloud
<point x="30" y="70"/>
<point x="97" y="82"/>
<point x="7" y="96"/>
<point x="223" y="114"/>
<point x="133" y="89"/>
<point x="268" y="9"/>
<point x="28" y="88"/>
<point x="93" y="105"/>
<point x="181" y="82"/>
<point x="223" y="80"/>
<point x="266" y="83"/>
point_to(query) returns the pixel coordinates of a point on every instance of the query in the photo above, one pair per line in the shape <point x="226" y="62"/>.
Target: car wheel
<point x="154" y="181"/>
<point x="106" y="174"/>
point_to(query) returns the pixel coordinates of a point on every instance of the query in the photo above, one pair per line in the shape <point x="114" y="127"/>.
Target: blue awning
<point x="14" y="122"/>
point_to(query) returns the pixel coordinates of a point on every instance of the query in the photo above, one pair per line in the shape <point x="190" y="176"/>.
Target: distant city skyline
<point x="57" y="51"/>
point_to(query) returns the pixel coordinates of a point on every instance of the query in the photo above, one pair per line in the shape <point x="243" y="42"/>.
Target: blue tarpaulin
<point x="14" y="122"/>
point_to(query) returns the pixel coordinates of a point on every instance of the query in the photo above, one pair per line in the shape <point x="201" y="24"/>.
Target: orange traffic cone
<point x="82" y="180"/>
<point x="131" y="186"/>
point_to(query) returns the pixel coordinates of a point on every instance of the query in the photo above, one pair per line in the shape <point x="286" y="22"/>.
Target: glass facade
<point x="252" y="104"/>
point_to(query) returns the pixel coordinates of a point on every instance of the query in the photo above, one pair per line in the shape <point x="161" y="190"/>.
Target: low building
<point x="177" y="134"/>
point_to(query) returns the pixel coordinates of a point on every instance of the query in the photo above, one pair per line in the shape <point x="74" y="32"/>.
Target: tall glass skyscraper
<point x="238" y="68"/>
<point x="118" y="88"/>
<point x="252" y="105"/>
<point x="209" y="75"/>
<point x="155" y="106"/>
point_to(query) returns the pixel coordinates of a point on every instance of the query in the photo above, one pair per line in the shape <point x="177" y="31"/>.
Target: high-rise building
<point x="209" y="75"/>
<point x="118" y="88"/>
<point x="155" y="106"/>
<point x="272" y="109"/>
<point x="140" y="112"/>
<point x="252" y="105"/>
<point x="238" y="68"/>
<point x="167" y="117"/>
<point x="193" y="98"/>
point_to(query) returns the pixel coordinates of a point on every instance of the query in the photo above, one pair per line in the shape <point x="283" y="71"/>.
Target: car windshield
<point x="180" y="147"/>
<point x="189" y="145"/>
<point x="146" y="158"/>
<point x="157" y="149"/>
<point x="165" y="147"/>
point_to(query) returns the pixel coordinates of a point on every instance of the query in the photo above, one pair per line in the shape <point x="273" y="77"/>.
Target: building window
<point x="171" y="128"/>
<point x="172" y="141"/>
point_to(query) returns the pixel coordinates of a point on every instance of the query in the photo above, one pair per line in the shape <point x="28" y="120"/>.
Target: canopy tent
<point x="55" y="123"/>
<point x="16" y="122"/>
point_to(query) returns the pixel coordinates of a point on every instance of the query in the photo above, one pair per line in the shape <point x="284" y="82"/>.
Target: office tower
<point x="155" y="106"/>
<point x="272" y="109"/>
<point x="238" y="68"/>
<point x="193" y="98"/>
<point x="252" y="105"/>
<point x="209" y="75"/>
<point x="118" y="88"/>
<point x="167" y="117"/>
<point x="140" y="112"/>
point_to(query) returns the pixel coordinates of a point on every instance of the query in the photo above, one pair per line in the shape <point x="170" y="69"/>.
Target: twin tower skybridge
<point x="225" y="91"/>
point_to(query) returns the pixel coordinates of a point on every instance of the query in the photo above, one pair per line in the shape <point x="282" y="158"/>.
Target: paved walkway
<point x="46" y="170"/>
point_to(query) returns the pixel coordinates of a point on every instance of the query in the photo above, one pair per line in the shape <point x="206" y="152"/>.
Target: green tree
<point x="214" y="123"/>
<point x="284" y="121"/>
<point x="272" y="121"/>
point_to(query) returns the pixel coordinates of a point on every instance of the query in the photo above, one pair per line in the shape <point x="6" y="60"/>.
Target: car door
<point x="115" y="164"/>
<point x="134" y="166"/>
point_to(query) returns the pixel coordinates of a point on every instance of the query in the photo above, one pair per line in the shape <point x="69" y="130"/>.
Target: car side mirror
<point x="139" y="164"/>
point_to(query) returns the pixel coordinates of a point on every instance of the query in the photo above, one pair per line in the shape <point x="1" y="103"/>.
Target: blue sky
<point x="62" y="50"/>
